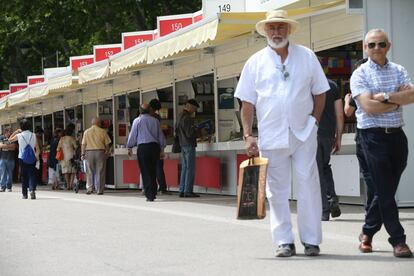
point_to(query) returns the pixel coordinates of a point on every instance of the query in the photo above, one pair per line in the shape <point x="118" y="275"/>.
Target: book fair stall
<point x="189" y="57"/>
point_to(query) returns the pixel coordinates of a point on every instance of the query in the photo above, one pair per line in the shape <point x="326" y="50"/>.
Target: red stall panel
<point x="239" y="159"/>
<point x="208" y="172"/>
<point x="131" y="171"/>
<point x="171" y="172"/>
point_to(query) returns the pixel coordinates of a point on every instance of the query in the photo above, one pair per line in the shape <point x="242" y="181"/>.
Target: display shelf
<point x="338" y="64"/>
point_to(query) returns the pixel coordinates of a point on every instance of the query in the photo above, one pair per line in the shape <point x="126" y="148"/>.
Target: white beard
<point x="279" y="45"/>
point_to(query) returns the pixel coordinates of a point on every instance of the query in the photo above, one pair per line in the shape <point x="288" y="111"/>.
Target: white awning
<point x="18" y="97"/>
<point x="60" y="81"/>
<point x="222" y="26"/>
<point x="219" y="27"/>
<point x="38" y="90"/>
<point x="128" y="58"/>
<point x="94" y="71"/>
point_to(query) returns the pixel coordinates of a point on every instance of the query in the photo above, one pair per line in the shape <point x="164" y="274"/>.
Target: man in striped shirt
<point x="380" y="87"/>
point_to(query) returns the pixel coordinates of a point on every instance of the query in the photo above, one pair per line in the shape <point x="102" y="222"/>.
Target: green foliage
<point x="30" y="29"/>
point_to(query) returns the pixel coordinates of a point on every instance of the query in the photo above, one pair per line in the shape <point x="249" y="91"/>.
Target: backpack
<point x="28" y="156"/>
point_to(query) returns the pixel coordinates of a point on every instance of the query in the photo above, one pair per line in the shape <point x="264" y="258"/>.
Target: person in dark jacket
<point x="329" y="142"/>
<point x="187" y="133"/>
<point x="51" y="160"/>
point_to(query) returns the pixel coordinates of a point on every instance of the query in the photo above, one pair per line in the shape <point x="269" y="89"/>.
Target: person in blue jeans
<point x="28" y="172"/>
<point x="7" y="154"/>
<point x="187" y="134"/>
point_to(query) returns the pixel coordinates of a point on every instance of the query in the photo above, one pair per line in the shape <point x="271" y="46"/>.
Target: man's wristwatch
<point x="386" y="97"/>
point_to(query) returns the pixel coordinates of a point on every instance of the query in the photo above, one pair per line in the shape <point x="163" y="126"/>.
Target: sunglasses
<point x="382" y="44"/>
<point x="285" y="73"/>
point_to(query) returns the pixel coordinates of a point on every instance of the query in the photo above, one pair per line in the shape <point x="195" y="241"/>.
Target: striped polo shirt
<point x="374" y="79"/>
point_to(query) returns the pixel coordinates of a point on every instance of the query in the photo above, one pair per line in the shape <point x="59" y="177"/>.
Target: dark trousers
<point x="28" y="174"/>
<point x="148" y="156"/>
<point x="365" y="173"/>
<point x="160" y="175"/>
<point x="386" y="158"/>
<point x="323" y="158"/>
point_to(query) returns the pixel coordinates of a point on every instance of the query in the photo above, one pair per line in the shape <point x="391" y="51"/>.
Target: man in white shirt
<point x="28" y="174"/>
<point x="285" y="85"/>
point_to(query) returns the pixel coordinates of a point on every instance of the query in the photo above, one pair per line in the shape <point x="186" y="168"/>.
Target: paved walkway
<point x="119" y="233"/>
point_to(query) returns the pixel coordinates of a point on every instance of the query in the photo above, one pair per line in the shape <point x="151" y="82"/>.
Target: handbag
<point x="176" y="148"/>
<point x="59" y="155"/>
<point x="251" y="190"/>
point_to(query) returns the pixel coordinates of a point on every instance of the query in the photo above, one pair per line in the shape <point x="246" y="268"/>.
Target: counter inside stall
<point x="220" y="162"/>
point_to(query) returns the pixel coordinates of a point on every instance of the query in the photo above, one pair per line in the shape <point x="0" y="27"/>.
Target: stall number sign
<point x="3" y="94"/>
<point x="105" y="53"/>
<point x="132" y="40"/>
<point x="15" y="88"/>
<point x="211" y="7"/>
<point x="77" y="63"/>
<point x="36" y="80"/>
<point x="171" y="25"/>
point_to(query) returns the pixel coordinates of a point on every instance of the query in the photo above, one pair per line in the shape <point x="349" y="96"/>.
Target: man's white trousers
<point x="301" y="157"/>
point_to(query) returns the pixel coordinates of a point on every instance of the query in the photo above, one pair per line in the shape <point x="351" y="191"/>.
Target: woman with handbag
<point x="67" y="146"/>
<point x="52" y="161"/>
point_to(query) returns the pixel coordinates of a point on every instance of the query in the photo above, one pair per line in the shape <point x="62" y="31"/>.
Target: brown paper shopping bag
<point x="251" y="191"/>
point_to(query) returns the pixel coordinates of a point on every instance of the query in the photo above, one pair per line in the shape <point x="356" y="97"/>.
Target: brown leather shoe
<point x="365" y="245"/>
<point x="402" y="251"/>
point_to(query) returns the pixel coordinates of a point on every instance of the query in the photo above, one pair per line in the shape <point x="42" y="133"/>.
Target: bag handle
<point x="251" y="160"/>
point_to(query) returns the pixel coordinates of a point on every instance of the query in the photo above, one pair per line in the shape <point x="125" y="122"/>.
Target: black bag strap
<point x="251" y="160"/>
<point x="29" y="139"/>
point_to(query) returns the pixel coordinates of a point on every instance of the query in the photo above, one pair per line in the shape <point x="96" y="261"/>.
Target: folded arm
<point x="371" y="105"/>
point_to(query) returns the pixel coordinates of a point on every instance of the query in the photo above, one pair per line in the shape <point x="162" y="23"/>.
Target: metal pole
<point x="57" y="58"/>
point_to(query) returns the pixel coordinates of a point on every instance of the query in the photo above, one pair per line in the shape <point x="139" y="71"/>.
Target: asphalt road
<point x="119" y="233"/>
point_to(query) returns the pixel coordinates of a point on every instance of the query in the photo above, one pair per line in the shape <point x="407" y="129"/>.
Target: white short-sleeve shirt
<point x="24" y="138"/>
<point x="282" y="104"/>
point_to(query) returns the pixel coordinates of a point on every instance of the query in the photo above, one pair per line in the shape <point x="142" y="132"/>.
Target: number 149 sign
<point x="211" y="7"/>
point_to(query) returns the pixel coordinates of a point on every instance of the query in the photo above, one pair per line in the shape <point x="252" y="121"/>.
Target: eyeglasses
<point x="285" y="73"/>
<point x="381" y="44"/>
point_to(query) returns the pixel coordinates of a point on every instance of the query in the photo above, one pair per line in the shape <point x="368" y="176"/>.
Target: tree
<point x="34" y="29"/>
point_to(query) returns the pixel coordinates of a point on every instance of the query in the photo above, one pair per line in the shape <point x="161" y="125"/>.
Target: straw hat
<point x="277" y="16"/>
